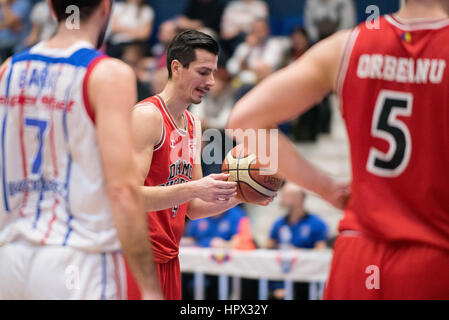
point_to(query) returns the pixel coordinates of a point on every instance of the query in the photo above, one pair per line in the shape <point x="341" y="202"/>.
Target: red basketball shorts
<point x="363" y="268"/>
<point x="169" y="275"/>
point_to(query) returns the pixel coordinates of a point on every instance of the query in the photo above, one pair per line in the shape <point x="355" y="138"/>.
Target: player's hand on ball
<point x="215" y="188"/>
<point x="267" y="201"/>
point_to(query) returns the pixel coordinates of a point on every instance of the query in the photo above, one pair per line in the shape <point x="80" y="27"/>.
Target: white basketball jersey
<point x="52" y="185"/>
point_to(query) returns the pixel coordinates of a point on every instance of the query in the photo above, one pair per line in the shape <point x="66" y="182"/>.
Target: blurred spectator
<point x="43" y="25"/>
<point x="299" y="44"/>
<point x="303" y="229"/>
<point x="158" y="74"/>
<point x="256" y="58"/>
<point x="307" y="126"/>
<point x="324" y="17"/>
<point x="134" y="56"/>
<point x="14" y="26"/>
<point x="201" y="15"/>
<point x="166" y="32"/>
<point x="307" y="230"/>
<point x="227" y="230"/>
<point x="131" y="21"/>
<point x="237" y="21"/>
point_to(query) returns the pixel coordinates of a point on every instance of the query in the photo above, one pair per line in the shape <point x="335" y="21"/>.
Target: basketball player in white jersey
<point x="69" y="202"/>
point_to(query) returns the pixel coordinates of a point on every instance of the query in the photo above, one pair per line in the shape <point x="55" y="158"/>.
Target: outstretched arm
<point x="296" y="88"/>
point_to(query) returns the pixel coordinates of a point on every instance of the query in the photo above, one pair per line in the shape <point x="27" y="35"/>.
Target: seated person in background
<point x="299" y="43"/>
<point x="230" y="229"/>
<point x="14" y="26"/>
<point x="307" y="230"/>
<point x="301" y="229"/>
<point x="158" y="74"/>
<point x="135" y="56"/>
<point x="256" y="58"/>
<point x="237" y="19"/>
<point x="325" y="17"/>
<point x="307" y="126"/>
<point x="131" y="21"/>
<point x="43" y="25"/>
<point x="202" y="15"/>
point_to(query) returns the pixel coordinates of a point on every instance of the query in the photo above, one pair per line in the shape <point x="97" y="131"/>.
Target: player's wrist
<point x="194" y="189"/>
<point x="327" y="188"/>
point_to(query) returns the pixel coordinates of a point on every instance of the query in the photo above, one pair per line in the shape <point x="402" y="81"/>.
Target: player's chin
<point x="197" y="96"/>
<point x="195" y="99"/>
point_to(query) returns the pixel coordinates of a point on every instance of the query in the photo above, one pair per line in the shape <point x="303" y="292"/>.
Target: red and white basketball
<point x="252" y="185"/>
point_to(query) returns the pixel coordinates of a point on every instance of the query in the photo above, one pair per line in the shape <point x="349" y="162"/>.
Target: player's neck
<point x="65" y="37"/>
<point x="424" y="10"/>
<point x="174" y="101"/>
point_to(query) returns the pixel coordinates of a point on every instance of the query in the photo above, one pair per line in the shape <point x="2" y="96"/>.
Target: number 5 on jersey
<point x="387" y="126"/>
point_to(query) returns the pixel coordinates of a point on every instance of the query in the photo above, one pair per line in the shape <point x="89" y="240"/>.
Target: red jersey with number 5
<point x="172" y="163"/>
<point x="394" y="90"/>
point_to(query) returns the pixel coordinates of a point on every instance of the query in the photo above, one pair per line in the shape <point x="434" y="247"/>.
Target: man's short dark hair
<point x="183" y="47"/>
<point x="86" y="7"/>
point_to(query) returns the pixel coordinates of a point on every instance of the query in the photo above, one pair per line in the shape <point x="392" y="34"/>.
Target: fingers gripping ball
<point x="252" y="185"/>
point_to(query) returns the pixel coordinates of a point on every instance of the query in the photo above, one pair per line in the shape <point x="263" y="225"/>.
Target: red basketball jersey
<point x="172" y="163"/>
<point x="394" y="90"/>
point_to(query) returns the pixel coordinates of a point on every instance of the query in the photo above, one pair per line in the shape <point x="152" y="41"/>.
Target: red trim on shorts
<point x="87" y="105"/>
<point x="50" y="224"/>
<point x="118" y="281"/>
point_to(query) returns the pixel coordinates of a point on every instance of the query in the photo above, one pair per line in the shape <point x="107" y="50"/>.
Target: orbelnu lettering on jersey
<point x="402" y="70"/>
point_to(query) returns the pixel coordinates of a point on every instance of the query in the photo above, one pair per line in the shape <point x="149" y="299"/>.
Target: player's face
<point x="197" y="80"/>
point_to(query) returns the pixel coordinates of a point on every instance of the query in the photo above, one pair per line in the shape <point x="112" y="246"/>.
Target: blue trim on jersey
<point x="38" y="212"/>
<point x="69" y="231"/>
<point x="81" y="58"/>
<point x="103" y="276"/>
<point x="5" y="118"/>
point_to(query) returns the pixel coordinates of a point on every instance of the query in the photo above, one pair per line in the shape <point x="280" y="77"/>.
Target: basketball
<point x="252" y="185"/>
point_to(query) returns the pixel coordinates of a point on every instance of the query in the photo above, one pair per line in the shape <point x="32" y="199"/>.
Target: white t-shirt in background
<point x="240" y="15"/>
<point x="128" y="15"/>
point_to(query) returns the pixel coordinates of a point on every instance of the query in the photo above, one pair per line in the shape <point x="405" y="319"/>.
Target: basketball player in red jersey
<point x="392" y="81"/>
<point x="168" y="146"/>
